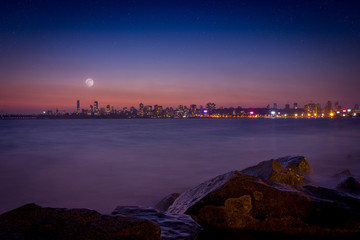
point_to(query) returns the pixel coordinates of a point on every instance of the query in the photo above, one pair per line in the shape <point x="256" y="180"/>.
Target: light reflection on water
<point x="99" y="164"/>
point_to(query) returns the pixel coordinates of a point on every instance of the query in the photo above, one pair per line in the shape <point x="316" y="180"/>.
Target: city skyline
<point x="247" y="53"/>
<point x="80" y="107"/>
<point x="210" y="109"/>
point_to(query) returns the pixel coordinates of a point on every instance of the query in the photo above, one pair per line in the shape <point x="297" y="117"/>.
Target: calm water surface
<point x="99" y="164"/>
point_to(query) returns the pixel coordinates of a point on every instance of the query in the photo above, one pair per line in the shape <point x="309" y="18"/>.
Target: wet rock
<point x="350" y="185"/>
<point x="288" y="170"/>
<point x="173" y="226"/>
<point x="34" y="222"/>
<point x="239" y="203"/>
<point x="165" y="203"/>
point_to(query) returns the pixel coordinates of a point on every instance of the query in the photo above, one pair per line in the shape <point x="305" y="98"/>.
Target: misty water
<point x="100" y="164"/>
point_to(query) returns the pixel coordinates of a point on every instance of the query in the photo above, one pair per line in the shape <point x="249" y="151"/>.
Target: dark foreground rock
<point x="238" y="205"/>
<point x="173" y="226"/>
<point x="33" y="222"/>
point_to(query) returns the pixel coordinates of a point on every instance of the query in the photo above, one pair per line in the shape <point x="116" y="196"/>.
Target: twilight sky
<point x="233" y="53"/>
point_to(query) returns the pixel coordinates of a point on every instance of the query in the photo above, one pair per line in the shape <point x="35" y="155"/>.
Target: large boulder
<point x="349" y="185"/>
<point x="173" y="226"/>
<point x="34" y="222"/>
<point x="238" y="203"/>
<point x="288" y="170"/>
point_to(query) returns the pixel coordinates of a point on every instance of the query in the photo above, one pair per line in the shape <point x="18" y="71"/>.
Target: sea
<point x="103" y="163"/>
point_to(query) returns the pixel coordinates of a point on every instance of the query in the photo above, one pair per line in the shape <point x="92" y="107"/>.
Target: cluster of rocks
<point x="272" y="199"/>
<point x="34" y="222"/>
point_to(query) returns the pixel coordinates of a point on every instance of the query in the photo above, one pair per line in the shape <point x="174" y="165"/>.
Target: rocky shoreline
<point x="272" y="199"/>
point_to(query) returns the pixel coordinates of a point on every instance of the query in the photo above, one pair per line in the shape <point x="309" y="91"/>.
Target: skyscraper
<point x="328" y="108"/>
<point x="78" y="107"/>
<point x="141" y="110"/>
<point x="107" y="109"/>
<point x="96" y="107"/>
<point x="91" y="110"/>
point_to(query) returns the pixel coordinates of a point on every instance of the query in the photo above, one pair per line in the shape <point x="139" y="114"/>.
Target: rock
<point x="34" y="222"/>
<point x="288" y="170"/>
<point x="343" y="175"/>
<point x="173" y="226"/>
<point x="164" y="204"/>
<point x="241" y="204"/>
<point x="349" y="185"/>
<point x="192" y="196"/>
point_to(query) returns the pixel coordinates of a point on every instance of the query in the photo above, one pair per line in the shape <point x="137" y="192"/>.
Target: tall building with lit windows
<point x="91" y="110"/>
<point x="312" y="110"/>
<point x="141" y="110"/>
<point x="96" y="108"/>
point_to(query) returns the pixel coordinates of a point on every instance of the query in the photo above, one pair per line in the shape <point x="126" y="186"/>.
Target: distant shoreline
<point x="28" y="117"/>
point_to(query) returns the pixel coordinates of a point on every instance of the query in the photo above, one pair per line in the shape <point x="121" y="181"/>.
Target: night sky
<point x="233" y="53"/>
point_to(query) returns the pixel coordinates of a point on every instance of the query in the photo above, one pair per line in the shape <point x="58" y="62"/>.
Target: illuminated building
<point x="91" y="110"/>
<point x="295" y="106"/>
<point x="133" y="112"/>
<point x="107" y="109"/>
<point x="179" y="111"/>
<point x="96" y="108"/>
<point x="312" y="110"/>
<point x="158" y="110"/>
<point x="140" y="113"/>
<point x="192" y="111"/>
<point x="210" y="107"/>
<point x="148" y="110"/>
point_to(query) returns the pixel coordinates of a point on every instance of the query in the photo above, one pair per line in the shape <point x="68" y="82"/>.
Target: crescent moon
<point x="89" y="82"/>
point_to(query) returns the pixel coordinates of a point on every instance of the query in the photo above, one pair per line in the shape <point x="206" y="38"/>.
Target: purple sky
<point x="233" y="53"/>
